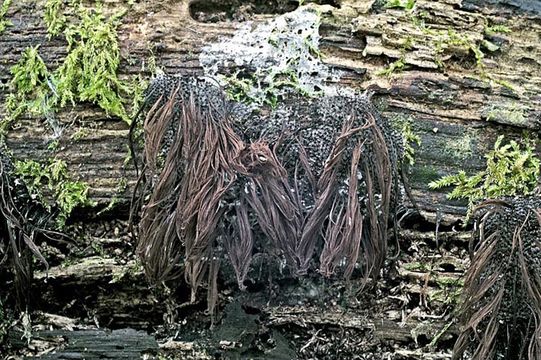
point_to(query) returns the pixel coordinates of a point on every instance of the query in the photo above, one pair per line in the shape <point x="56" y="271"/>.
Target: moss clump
<point x="491" y="30"/>
<point x="511" y="169"/>
<point x="253" y="90"/>
<point x="449" y="39"/>
<point x="52" y="185"/>
<point x="28" y="87"/>
<point x="410" y="140"/>
<point x="89" y="72"/>
<point x="449" y="290"/>
<point x="136" y="90"/>
<point x="400" y="4"/>
<point x="394" y="67"/>
<point x="416" y="266"/>
<point x="81" y="133"/>
<point x="511" y="113"/>
<point x="3" y="11"/>
<point x="54" y="17"/>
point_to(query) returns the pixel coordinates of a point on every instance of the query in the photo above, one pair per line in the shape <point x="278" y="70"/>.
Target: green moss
<point x="28" y="87"/>
<point x="251" y="90"/>
<point x="446" y="40"/>
<point x="394" y="67"/>
<point x="511" y="113"/>
<point x="491" y="30"/>
<point x="511" y="169"/>
<point x="449" y="41"/>
<point x="136" y="90"/>
<point x="419" y="22"/>
<point x="81" y="133"/>
<point x="400" y="4"/>
<point x="53" y="145"/>
<point x="447" y="281"/>
<point x="239" y="89"/>
<point x="55" y="17"/>
<point x="503" y="83"/>
<point x="51" y="184"/>
<point x="89" y="72"/>
<point x="416" y="266"/>
<point x="3" y="11"/>
<point x="449" y="292"/>
<point x="410" y="140"/>
<point x="407" y="43"/>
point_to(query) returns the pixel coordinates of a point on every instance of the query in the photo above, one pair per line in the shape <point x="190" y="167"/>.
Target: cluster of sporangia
<point x="308" y="186"/>
<point x="312" y="185"/>
<point x="501" y="308"/>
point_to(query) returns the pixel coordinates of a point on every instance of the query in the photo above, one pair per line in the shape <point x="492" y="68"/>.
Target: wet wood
<point x="405" y="331"/>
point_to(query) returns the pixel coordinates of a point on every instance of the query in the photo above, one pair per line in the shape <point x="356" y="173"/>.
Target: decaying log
<point x="446" y="95"/>
<point x="456" y="106"/>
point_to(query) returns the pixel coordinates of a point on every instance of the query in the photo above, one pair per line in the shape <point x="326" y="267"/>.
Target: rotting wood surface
<point x="410" y="307"/>
<point x="457" y="107"/>
<point x="94" y="344"/>
<point x="449" y="108"/>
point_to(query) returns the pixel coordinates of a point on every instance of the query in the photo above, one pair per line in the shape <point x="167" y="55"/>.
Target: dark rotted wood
<point x="119" y="296"/>
<point x="99" y="290"/>
<point x="97" y="344"/>
<point x="384" y="329"/>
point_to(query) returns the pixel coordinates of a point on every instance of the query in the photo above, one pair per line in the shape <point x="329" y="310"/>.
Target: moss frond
<point x="52" y="185"/>
<point x="512" y="168"/>
<point x="89" y="72"/>
<point x="28" y="87"/>
<point x="3" y="11"/>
